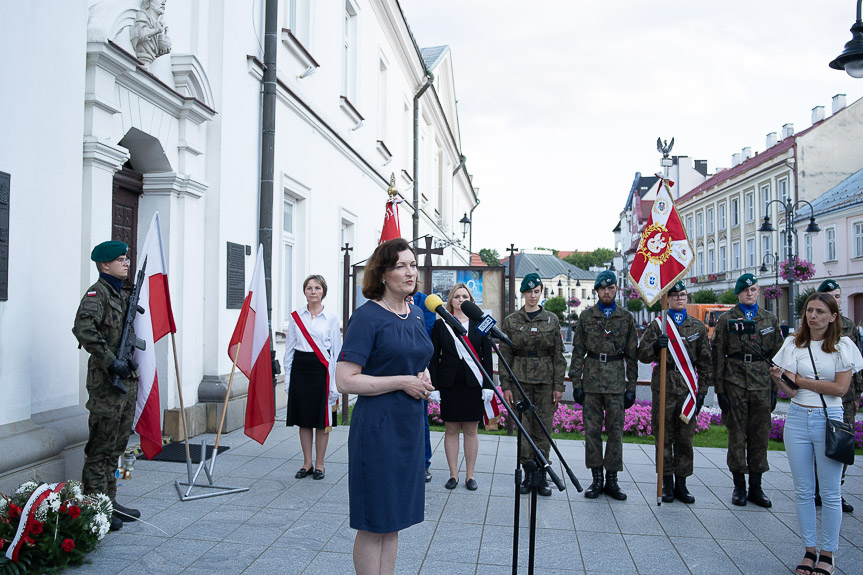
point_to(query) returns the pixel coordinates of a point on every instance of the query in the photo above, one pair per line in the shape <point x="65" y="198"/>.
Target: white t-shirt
<point x="796" y="360"/>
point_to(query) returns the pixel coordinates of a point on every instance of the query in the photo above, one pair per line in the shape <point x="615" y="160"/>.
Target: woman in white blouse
<point x="820" y="362"/>
<point x="312" y="345"/>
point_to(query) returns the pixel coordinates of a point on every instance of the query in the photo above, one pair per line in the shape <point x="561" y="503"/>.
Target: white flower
<point x="53" y="502"/>
<point x="76" y="492"/>
<point x="3" y="504"/>
<point x="27" y="486"/>
<point x="42" y="511"/>
<point x="100" y="525"/>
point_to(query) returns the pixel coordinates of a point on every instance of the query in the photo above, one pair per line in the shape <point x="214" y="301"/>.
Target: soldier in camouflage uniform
<point x="537" y="362"/>
<point x="99" y="328"/>
<point x="744" y="389"/>
<point x="851" y="401"/>
<point x="604" y="373"/>
<point x="677" y="448"/>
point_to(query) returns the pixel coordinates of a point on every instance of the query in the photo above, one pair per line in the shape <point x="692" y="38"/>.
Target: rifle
<point x="129" y="340"/>
<point x="746" y="326"/>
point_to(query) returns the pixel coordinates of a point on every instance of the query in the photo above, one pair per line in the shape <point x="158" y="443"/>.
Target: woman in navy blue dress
<point x="383" y="361"/>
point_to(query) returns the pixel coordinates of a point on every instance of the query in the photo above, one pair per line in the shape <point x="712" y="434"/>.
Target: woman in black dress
<point x="454" y="373"/>
<point x="383" y="361"/>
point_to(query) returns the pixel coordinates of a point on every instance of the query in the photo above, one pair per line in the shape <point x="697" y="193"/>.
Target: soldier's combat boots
<point x="681" y="492"/>
<point x="544" y="488"/>
<point x="612" y="489"/>
<point x="667" y="488"/>
<point x="525" y="483"/>
<point x="595" y="488"/>
<point x="738" y="497"/>
<point x="756" y="494"/>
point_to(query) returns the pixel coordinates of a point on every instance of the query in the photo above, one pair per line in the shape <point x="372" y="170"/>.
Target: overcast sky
<point x="560" y="101"/>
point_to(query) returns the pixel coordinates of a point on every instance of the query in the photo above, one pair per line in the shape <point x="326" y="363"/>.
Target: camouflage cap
<point x="529" y="282"/>
<point x="745" y="282"/>
<point x="108" y="251"/>
<point x="605" y="279"/>
<point x="679" y="286"/>
<point x="828" y="285"/>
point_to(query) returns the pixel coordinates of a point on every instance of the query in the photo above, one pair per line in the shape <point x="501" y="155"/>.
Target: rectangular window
<point x="735" y="255"/>
<point x="858" y="239"/>
<point x="711" y="261"/>
<point x="288" y="242"/>
<point x="750" y="252"/>
<point x="722" y="262"/>
<point x="722" y="221"/>
<point x="765" y="200"/>
<point x="699" y="224"/>
<point x="710" y="221"/>
<point x="750" y="207"/>
<point x="300" y="20"/>
<point x="689" y="229"/>
<point x="735" y="212"/>
<point x="807" y="247"/>
<point x="783" y="190"/>
<point x="701" y="263"/>
<point x="441" y="204"/>
<point x="382" y="101"/>
<point x="349" y="54"/>
<point x="766" y="245"/>
<point x="830" y="244"/>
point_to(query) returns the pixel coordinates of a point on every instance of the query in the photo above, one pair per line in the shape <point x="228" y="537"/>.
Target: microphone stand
<point x="530" y="467"/>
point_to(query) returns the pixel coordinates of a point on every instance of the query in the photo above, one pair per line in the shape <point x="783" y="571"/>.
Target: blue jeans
<point x="804" y="433"/>
<point x="428" y="436"/>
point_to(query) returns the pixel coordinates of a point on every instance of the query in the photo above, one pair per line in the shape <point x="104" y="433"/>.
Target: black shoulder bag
<point x="839" y="441"/>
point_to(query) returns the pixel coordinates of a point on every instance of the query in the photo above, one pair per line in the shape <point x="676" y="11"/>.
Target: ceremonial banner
<point x="392" y="228"/>
<point x="252" y="334"/>
<point x="151" y="326"/>
<point x="677" y="350"/>
<point x="664" y="254"/>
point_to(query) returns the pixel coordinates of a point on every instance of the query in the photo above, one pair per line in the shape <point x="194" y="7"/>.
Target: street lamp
<point x="851" y="58"/>
<point x="790" y="233"/>
<point x="465" y="222"/>
<point x="763" y="269"/>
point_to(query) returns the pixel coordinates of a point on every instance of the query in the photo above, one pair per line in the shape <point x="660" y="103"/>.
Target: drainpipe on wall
<point x="416" y="216"/>
<point x="268" y="141"/>
<point x="462" y="165"/>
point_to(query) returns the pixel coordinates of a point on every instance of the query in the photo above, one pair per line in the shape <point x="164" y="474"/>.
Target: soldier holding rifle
<point x="99" y="326"/>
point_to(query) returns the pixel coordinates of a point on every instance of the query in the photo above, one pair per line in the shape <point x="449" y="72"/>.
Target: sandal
<point x="302" y="473"/>
<point x="824" y="559"/>
<point x="807" y="569"/>
<point x="318" y="474"/>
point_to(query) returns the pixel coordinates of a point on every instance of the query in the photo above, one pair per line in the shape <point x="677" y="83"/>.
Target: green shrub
<point x="704" y="295"/>
<point x="728" y="297"/>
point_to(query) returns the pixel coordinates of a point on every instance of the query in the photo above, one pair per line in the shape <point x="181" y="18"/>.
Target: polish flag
<point x="252" y="335"/>
<point x="151" y="326"/>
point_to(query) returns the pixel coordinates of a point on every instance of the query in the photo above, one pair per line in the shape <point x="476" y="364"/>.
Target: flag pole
<point x="660" y="438"/>
<point x="225" y="405"/>
<point x="182" y="405"/>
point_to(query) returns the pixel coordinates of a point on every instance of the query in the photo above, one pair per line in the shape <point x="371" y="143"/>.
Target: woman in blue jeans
<point x="820" y="362"/>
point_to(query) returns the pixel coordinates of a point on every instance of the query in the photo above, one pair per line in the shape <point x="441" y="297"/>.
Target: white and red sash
<point x="677" y="350"/>
<point x="28" y="513"/>
<point x="322" y="359"/>
<point x="490" y="409"/>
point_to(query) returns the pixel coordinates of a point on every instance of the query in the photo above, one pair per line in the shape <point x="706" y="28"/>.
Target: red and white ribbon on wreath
<point x="28" y="514"/>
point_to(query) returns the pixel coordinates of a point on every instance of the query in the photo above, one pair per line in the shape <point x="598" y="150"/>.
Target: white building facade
<point x="121" y="128"/>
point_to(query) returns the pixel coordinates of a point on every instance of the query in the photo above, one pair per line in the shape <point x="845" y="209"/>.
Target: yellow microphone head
<point x="433" y="302"/>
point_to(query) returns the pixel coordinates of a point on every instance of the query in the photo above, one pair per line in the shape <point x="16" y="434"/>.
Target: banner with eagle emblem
<point x="664" y="254"/>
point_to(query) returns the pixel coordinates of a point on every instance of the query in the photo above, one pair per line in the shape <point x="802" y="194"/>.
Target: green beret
<point x="605" y="279"/>
<point x="828" y="285"/>
<point x="108" y="251"/>
<point x="678" y="287"/>
<point x="529" y="282"/>
<point x="745" y="281"/>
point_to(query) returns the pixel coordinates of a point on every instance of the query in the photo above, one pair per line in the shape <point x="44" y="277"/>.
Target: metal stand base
<point x="208" y="470"/>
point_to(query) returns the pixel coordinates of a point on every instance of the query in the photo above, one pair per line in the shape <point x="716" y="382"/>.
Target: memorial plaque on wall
<point x="236" y="291"/>
<point x="5" y="180"/>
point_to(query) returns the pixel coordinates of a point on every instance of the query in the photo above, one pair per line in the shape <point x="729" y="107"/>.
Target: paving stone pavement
<point x="289" y="526"/>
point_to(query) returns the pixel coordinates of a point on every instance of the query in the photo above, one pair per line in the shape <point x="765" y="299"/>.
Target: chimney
<point x="817" y="114"/>
<point x="772" y="138"/>
<point x="787" y="130"/>
<point x="701" y="167"/>
<point x="838" y="102"/>
<point x="746" y="154"/>
<point x="735" y="160"/>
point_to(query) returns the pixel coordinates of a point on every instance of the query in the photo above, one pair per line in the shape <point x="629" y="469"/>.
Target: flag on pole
<point x="664" y="254"/>
<point x="392" y="227"/>
<point x="252" y="334"/>
<point x="677" y="350"/>
<point x="151" y="326"/>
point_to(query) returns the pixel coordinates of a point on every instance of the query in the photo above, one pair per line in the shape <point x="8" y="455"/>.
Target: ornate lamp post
<point x="774" y="257"/>
<point x="790" y="234"/>
<point x="465" y="224"/>
<point x="851" y="58"/>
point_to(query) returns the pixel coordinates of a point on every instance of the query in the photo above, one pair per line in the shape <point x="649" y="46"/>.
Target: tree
<point x="489" y="257"/>
<point x="552" y="250"/>
<point x="586" y="260"/>
<point x="728" y="297"/>
<point x="634" y="305"/>
<point x="556" y="305"/>
<point x="704" y="295"/>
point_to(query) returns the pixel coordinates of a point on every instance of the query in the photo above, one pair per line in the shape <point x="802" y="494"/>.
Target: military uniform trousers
<point x="677" y="458"/>
<point x="607" y="408"/>
<point x="748" y="422"/>
<point x="849" y="414"/>
<point x="540" y="394"/>
<point x="110" y="426"/>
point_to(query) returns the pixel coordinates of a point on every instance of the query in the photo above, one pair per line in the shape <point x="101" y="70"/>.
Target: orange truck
<point x="708" y="313"/>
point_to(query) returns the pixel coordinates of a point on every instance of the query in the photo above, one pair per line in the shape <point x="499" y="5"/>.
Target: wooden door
<point x="128" y="187"/>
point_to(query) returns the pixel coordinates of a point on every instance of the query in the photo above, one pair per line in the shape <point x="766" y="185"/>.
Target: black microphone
<point x="472" y="311"/>
<point x="435" y="304"/>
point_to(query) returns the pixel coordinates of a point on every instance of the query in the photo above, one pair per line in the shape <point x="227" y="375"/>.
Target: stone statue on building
<point x="149" y="33"/>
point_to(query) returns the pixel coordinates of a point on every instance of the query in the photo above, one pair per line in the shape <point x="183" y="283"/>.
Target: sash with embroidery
<point x="491" y="411"/>
<point x="311" y="341"/>
<point x="677" y="350"/>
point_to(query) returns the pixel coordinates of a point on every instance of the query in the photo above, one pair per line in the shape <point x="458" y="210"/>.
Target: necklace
<point x="398" y="315"/>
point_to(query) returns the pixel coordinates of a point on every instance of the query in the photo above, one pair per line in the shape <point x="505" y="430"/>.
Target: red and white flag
<point x="664" y="254"/>
<point x="392" y="228"/>
<point x="151" y="326"/>
<point x="677" y="350"/>
<point x="252" y="335"/>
